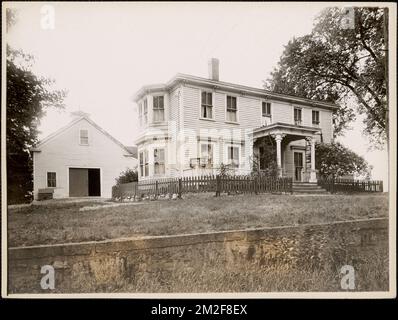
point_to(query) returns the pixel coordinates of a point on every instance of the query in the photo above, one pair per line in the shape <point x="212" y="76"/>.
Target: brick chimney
<point x="213" y="69"/>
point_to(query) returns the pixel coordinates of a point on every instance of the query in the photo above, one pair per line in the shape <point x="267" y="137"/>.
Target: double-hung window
<point x="144" y="165"/>
<point x="266" y="113"/>
<point x="297" y="116"/>
<point x="140" y="112"/>
<point x="84" y="137"/>
<point x="51" y="179"/>
<point x="145" y="111"/>
<point x="266" y="109"/>
<point x="315" y="117"/>
<point x="206" y="153"/>
<point x="232" y="109"/>
<point x="141" y="164"/>
<point x="206" y="109"/>
<point x="158" y="109"/>
<point x="233" y="156"/>
<point x="158" y="156"/>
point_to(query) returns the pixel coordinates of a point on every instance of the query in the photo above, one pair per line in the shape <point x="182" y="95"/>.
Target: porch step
<point x="306" y="187"/>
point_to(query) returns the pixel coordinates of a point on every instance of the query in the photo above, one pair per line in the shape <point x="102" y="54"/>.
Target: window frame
<point x="317" y="123"/>
<point x="52" y="179"/>
<point x="209" y="164"/>
<point x="206" y="105"/>
<point x="227" y="154"/>
<point x="141" y="162"/>
<point x="157" y="108"/>
<point x="146" y="163"/>
<point x="80" y="137"/>
<point x="140" y="112"/>
<point x="159" y="163"/>
<point x="145" y="110"/>
<point x="227" y="110"/>
<point x="297" y="121"/>
<point x="269" y="115"/>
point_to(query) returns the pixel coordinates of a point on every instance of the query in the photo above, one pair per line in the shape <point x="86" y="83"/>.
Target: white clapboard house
<point x="191" y="125"/>
<point x="79" y="160"/>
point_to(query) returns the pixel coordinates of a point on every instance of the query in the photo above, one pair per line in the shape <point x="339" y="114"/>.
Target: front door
<point x="298" y="166"/>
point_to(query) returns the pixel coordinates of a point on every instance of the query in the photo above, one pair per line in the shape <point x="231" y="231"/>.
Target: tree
<point x="341" y="65"/>
<point x="28" y="96"/>
<point x="129" y="175"/>
<point x="334" y="160"/>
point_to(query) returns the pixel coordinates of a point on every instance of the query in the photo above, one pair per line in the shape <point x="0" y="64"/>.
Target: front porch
<point x="294" y="149"/>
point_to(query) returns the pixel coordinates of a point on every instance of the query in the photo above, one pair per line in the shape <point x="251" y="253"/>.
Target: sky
<point x="102" y="53"/>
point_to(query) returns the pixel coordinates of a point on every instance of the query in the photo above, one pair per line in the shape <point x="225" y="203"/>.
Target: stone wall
<point x="97" y="266"/>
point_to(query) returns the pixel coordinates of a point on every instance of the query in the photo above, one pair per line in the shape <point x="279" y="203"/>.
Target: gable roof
<point x="71" y="124"/>
<point x="188" y="79"/>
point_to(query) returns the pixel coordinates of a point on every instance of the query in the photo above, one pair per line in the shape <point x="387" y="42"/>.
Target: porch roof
<point x="285" y="128"/>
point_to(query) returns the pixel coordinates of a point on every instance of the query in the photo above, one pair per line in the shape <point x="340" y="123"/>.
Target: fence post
<point x="179" y="188"/>
<point x="218" y="185"/>
<point x="291" y="185"/>
<point x="156" y="189"/>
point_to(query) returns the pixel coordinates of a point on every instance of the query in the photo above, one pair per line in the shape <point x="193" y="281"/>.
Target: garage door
<point x="84" y="182"/>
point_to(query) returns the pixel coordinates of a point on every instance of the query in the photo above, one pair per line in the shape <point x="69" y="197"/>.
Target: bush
<point x="266" y="160"/>
<point x="129" y="175"/>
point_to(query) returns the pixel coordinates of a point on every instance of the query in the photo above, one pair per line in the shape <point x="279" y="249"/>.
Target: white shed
<point x="80" y="160"/>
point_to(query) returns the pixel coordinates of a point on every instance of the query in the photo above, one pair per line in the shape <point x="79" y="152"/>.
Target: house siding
<point x="281" y="112"/>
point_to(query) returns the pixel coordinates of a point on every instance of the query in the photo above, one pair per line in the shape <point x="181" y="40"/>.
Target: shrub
<point x="129" y="175"/>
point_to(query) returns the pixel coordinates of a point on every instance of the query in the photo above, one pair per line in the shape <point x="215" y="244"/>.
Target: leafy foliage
<point x="335" y="160"/>
<point x="264" y="163"/>
<point x="224" y="170"/>
<point x="129" y="175"/>
<point x="28" y="96"/>
<point x="341" y="65"/>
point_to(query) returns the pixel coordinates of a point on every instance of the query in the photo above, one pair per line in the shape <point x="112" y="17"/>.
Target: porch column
<point x="313" y="172"/>
<point x="278" y="138"/>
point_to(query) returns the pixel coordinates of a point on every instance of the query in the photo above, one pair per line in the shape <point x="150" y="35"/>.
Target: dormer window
<point x="158" y="109"/>
<point x="84" y="137"/>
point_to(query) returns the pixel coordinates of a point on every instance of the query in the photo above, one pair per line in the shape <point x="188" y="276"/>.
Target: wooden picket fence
<point x="211" y="183"/>
<point x="350" y="185"/>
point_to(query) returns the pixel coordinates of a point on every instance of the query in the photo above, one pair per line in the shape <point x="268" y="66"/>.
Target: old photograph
<point x="198" y="149"/>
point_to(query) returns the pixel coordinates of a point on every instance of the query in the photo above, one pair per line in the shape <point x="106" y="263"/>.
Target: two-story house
<point x="192" y="125"/>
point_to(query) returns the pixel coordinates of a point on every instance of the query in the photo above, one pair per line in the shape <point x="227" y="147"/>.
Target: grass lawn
<point x="63" y="222"/>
